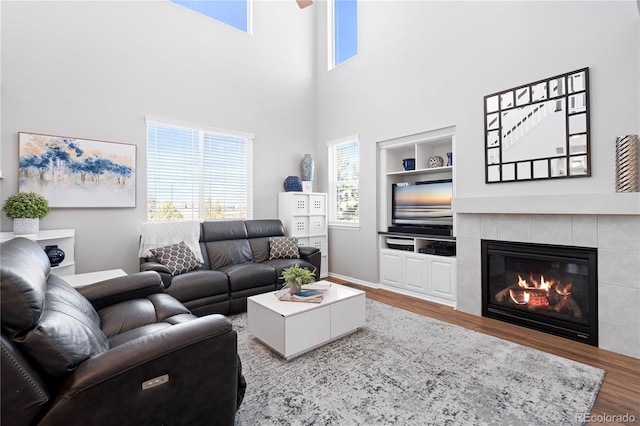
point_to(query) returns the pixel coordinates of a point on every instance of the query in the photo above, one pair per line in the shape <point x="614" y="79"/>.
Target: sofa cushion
<point x="228" y="252"/>
<point x="134" y="318"/>
<point x="68" y="332"/>
<point x="249" y="275"/>
<point x="283" y="248"/>
<point x="177" y="257"/>
<point x="198" y="284"/>
<point x="264" y="228"/>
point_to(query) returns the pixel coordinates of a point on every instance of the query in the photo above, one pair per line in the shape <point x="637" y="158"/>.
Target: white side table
<point x="79" y="280"/>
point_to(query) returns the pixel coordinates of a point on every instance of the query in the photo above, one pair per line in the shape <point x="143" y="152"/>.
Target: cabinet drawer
<point x="319" y="242"/>
<point x="317" y="204"/>
<point x="300" y="226"/>
<point x="317" y="225"/>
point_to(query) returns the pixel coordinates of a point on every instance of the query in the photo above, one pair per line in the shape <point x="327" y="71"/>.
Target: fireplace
<point x="549" y="288"/>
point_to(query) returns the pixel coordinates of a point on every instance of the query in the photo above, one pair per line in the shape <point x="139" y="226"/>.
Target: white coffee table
<point x="292" y="328"/>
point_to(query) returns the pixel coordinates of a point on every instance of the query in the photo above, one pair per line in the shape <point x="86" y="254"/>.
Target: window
<point x="197" y="174"/>
<point x="236" y="13"/>
<point x="343" y="20"/>
<point x="344" y="181"/>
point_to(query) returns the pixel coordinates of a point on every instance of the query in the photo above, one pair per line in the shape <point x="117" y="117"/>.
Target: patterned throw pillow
<point x="283" y="248"/>
<point x="177" y="257"/>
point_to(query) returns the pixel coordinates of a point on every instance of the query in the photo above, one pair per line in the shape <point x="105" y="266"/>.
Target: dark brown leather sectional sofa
<point x="236" y="266"/>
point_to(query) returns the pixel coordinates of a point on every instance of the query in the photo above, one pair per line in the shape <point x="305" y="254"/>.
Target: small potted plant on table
<point x="295" y="276"/>
<point x="26" y="209"/>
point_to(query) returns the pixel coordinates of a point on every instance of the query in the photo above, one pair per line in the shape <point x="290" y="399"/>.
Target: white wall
<point x="427" y="65"/>
<point x="94" y="70"/>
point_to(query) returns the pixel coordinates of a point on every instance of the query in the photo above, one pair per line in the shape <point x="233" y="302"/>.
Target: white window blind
<point x="344" y="182"/>
<point x="197" y="174"/>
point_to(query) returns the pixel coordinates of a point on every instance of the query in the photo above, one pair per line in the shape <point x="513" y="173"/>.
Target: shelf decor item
<point x="55" y="254"/>
<point x="26" y="209"/>
<point x="409" y="164"/>
<point x="449" y="158"/>
<point x="627" y="166"/>
<point x="307" y="167"/>
<point x="435" y="161"/>
<point x="293" y="184"/>
<point x="295" y="276"/>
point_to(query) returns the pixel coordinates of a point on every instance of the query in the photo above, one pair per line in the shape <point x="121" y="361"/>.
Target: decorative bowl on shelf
<point x="435" y="161"/>
<point x="409" y="163"/>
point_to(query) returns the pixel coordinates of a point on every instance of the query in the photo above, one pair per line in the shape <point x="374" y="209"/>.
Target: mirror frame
<point x="577" y="127"/>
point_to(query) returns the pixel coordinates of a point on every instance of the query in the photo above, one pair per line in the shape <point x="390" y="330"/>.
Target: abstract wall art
<point x="73" y="172"/>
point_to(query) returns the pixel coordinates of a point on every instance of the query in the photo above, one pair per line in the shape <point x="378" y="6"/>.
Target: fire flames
<point x="541" y="293"/>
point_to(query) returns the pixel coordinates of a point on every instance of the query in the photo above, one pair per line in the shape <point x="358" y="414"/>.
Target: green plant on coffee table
<point x="297" y="275"/>
<point x="26" y="205"/>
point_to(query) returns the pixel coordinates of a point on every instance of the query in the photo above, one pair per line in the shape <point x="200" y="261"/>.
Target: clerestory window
<point x="343" y="22"/>
<point x="236" y="13"/>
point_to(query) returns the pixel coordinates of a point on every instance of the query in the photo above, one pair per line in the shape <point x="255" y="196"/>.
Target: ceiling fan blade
<point x="304" y="3"/>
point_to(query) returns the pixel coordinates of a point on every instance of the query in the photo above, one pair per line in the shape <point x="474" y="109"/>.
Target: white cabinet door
<point x="442" y="277"/>
<point x="415" y="272"/>
<point x="391" y="268"/>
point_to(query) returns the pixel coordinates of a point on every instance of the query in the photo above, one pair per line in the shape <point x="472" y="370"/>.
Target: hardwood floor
<point x="618" y="401"/>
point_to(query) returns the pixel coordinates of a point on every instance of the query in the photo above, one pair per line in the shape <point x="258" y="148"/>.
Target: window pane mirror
<point x="538" y="130"/>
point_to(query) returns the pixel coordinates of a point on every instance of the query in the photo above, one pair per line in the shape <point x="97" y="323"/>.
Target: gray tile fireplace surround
<point x="616" y="236"/>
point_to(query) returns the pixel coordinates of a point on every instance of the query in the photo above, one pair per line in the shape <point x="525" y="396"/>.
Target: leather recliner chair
<point x="122" y="352"/>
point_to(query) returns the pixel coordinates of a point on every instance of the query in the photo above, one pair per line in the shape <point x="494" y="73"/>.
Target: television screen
<point x="422" y="203"/>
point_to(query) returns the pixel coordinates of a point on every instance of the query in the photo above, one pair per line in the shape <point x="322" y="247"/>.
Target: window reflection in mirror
<point x="538" y="130"/>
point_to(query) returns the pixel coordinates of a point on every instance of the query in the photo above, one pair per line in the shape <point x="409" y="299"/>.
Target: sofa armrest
<point x="313" y="256"/>
<point x="305" y="252"/>
<point x="154" y="266"/>
<point x="199" y="359"/>
<point x="120" y="289"/>
<point x="163" y="270"/>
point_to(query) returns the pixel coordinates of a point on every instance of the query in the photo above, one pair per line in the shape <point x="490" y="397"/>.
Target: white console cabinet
<point x="414" y="269"/>
<point x="429" y="276"/>
<point x="65" y="239"/>
<point x="304" y="216"/>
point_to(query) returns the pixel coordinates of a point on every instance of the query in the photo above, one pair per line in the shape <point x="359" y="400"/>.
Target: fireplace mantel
<point x="574" y="204"/>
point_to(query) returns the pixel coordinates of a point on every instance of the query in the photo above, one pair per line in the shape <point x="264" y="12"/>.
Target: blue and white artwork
<point x="72" y="172"/>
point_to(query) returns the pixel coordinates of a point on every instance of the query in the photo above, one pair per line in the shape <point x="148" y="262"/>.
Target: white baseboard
<point x="354" y="280"/>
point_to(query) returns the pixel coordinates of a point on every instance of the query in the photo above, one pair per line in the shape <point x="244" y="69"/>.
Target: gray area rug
<point x="406" y="369"/>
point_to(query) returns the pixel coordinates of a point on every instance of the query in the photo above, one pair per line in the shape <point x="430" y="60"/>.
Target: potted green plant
<point x="295" y="276"/>
<point x="26" y="209"/>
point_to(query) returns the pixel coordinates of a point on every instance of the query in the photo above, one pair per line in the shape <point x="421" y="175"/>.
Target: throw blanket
<point x="160" y="234"/>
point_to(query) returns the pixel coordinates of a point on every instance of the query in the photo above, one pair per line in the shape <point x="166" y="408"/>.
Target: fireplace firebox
<point x="549" y="288"/>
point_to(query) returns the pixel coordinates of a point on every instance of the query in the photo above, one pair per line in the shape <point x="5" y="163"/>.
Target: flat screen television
<point x="422" y="203"/>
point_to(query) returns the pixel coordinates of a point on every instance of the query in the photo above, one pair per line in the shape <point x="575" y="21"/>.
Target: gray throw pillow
<point x="283" y="248"/>
<point x="177" y="257"/>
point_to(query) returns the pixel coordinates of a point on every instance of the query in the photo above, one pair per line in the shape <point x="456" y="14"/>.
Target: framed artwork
<point x="71" y="172"/>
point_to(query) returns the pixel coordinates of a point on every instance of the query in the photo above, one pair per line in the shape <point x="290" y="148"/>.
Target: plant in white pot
<point x="295" y="276"/>
<point x="26" y="209"/>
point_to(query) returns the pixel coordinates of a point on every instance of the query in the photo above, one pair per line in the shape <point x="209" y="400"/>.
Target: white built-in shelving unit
<point x="411" y="270"/>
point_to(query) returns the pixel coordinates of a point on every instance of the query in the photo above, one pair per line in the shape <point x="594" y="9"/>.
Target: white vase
<point x="26" y="226"/>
